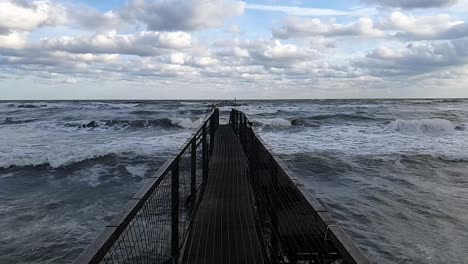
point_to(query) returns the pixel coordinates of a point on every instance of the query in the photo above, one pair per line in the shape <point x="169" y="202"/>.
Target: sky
<point x="221" y="49"/>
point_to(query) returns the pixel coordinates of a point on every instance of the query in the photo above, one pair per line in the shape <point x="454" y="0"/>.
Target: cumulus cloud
<point x="280" y="51"/>
<point x="234" y="51"/>
<point x="185" y="59"/>
<point x="27" y="16"/>
<point x="414" y="59"/>
<point x="184" y="15"/>
<point x="111" y="45"/>
<point x="409" y="4"/>
<point x="146" y="43"/>
<point x="13" y="40"/>
<point x="19" y="18"/>
<point x="270" y="59"/>
<point x="85" y="17"/>
<point x="57" y="58"/>
<point x="426" y="27"/>
<point x="295" y="27"/>
<point x="70" y="81"/>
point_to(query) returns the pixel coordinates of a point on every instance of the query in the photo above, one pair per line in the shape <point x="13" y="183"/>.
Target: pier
<point x="224" y="198"/>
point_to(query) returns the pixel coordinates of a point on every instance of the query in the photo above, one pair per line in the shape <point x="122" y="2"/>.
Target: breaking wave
<point x="347" y="117"/>
<point x="273" y="122"/>
<point x="313" y="121"/>
<point x="11" y="121"/>
<point x="54" y="160"/>
<point x="186" y="122"/>
<point x="67" y="155"/>
<point x="282" y="122"/>
<point x="423" y="126"/>
<point x="174" y="122"/>
<point x="31" y="105"/>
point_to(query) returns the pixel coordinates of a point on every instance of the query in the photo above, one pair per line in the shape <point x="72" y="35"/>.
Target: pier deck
<point x="224" y="227"/>
<point x="224" y="198"/>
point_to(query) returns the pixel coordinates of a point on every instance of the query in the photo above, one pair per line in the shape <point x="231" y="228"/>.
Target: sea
<point x="394" y="173"/>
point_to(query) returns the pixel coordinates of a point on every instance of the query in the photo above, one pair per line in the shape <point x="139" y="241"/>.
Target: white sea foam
<point x="65" y="151"/>
<point x="371" y="140"/>
<point x="423" y="126"/>
<point x="186" y="122"/>
<point x="92" y="176"/>
<point x="273" y="121"/>
<point x="137" y="170"/>
<point x="191" y="103"/>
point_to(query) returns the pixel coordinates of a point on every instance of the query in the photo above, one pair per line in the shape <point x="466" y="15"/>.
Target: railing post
<point x="217" y="119"/>
<point x="204" y="156"/>
<point x="193" y="174"/>
<point x="175" y="210"/>
<point x="234" y="124"/>
<point x="238" y="122"/>
<point x="244" y="131"/>
<point x="248" y="143"/>
<point x="274" y="213"/>
<point x="240" y="128"/>
<point x="212" y="132"/>
<point x="236" y="117"/>
<point x="253" y="149"/>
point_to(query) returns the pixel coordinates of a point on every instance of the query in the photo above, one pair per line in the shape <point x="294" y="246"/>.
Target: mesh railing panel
<point x="143" y="240"/>
<point x="293" y="230"/>
<point x="156" y="222"/>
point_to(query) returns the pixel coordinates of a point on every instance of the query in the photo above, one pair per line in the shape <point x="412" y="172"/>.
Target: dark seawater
<point x="392" y="172"/>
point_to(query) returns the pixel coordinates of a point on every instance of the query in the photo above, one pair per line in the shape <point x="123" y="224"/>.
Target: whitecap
<point x="423" y="126"/>
<point x="186" y="122"/>
<point x="274" y="121"/>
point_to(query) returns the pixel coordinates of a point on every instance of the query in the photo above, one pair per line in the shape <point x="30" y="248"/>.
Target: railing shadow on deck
<point x="154" y="225"/>
<point x="294" y="226"/>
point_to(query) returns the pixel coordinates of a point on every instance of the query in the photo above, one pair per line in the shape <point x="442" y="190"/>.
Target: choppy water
<point x="393" y="172"/>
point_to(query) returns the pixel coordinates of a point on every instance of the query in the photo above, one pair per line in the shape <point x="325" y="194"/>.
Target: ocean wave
<point x="68" y="153"/>
<point x="423" y="126"/>
<point x="54" y="160"/>
<point x="191" y="103"/>
<point x="144" y="112"/>
<point x="347" y="117"/>
<point x="31" y="105"/>
<point x="281" y="122"/>
<point x="193" y="111"/>
<point x="186" y="122"/>
<point x="173" y="122"/>
<point x="11" y="121"/>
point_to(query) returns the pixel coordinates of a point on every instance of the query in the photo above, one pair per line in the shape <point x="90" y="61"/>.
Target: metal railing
<point x="294" y="226"/>
<point x="154" y="225"/>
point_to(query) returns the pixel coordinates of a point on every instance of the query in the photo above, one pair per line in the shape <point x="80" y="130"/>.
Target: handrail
<point x="140" y="232"/>
<point x="295" y="226"/>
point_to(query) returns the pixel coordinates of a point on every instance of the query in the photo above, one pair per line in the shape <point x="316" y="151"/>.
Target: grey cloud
<point x="415" y="59"/>
<point x="146" y="43"/>
<point x="185" y="15"/>
<point x="278" y="60"/>
<point x="28" y="15"/>
<point x="301" y="28"/>
<point x="455" y="32"/>
<point x="429" y="27"/>
<point x="82" y="16"/>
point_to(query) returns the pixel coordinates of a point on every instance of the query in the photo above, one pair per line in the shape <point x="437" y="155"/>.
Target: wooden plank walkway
<point x="224" y="227"/>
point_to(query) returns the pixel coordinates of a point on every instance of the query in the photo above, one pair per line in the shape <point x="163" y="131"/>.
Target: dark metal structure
<point x="295" y="227"/>
<point x="154" y="224"/>
<point x="224" y="198"/>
